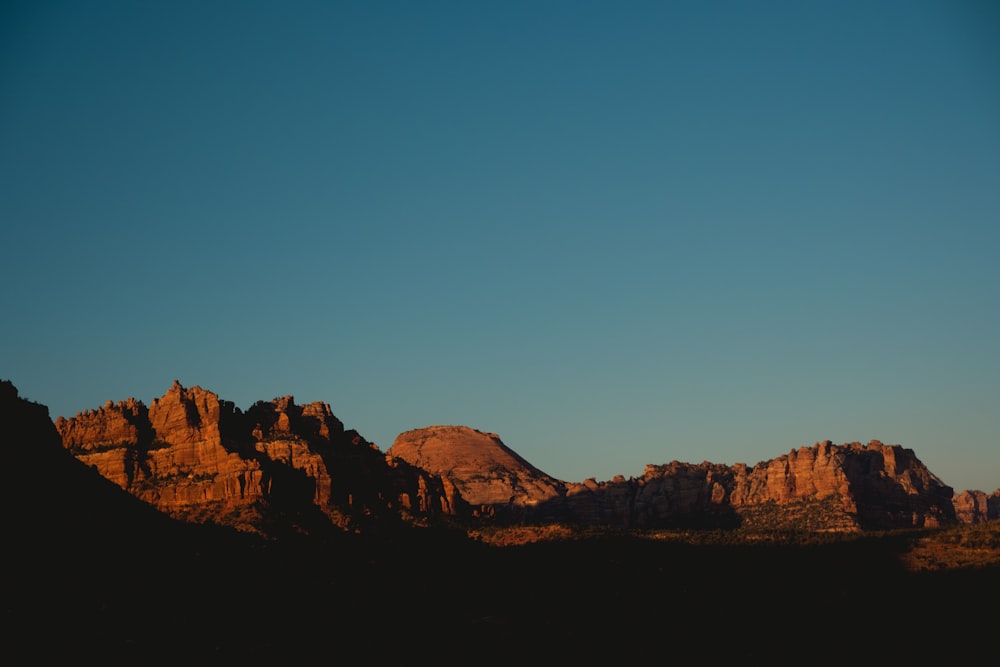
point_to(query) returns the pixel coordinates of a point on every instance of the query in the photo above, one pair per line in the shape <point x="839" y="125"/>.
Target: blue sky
<point x="613" y="233"/>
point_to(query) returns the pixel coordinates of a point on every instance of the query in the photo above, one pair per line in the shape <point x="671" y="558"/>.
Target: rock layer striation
<point x="193" y="455"/>
<point x="201" y="458"/>
<point x="826" y="487"/>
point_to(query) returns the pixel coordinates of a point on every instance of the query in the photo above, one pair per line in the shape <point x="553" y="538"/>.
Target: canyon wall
<point x="191" y="454"/>
<point x="201" y="458"/>
<point x="824" y="487"/>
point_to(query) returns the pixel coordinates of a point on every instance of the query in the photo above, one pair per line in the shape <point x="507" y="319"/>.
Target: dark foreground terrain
<point x="166" y="594"/>
<point x="94" y="576"/>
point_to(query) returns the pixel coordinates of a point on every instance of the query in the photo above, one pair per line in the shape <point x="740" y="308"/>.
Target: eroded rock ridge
<point x="194" y="455"/>
<point x="201" y="458"/>
<point x="826" y="487"/>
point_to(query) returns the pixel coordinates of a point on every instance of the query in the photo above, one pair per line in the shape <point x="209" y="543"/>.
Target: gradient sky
<point x="613" y="233"/>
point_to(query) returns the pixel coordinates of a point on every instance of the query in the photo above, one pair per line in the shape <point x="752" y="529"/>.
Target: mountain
<point x="976" y="506"/>
<point x="200" y="458"/>
<point x="825" y="487"/>
<point x="94" y="573"/>
<point x="490" y="476"/>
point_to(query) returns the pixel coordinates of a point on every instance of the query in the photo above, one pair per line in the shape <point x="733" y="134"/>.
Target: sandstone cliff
<point x="825" y="487"/>
<point x="490" y="476"/>
<point x="98" y="575"/>
<point x="195" y="456"/>
<point x="201" y="458"/>
<point x="977" y="506"/>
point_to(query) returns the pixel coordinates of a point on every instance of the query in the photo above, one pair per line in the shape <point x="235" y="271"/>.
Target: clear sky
<point x="613" y="233"/>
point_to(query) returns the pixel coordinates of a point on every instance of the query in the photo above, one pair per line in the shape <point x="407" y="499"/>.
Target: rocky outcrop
<point x="50" y="499"/>
<point x="825" y="487"/>
<point x="875" y="485"/>
<point x="672" y="495"/>
<point x="191" y="454"/>
<point x="489" y="476"/>
<point x="96" y="574"/>
<point x="977" y="506"/>
<point x="171" y="454"/>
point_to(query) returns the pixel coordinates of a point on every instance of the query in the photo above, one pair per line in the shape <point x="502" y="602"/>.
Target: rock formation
<point x="876" y="485"/>
<point x="201" y="458"/>
<point x="825" y="487"/>
<point x="193" y="455"/>
<point x="977" y="506"/>
<point x="55" y="504"/>
<point x="95" y="574"/>
<point x="490" y="476"/>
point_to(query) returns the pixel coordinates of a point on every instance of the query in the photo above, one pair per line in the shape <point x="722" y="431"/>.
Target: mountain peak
<point x="485" y="470"/>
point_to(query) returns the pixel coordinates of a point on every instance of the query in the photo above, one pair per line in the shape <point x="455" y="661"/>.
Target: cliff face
<point x="825" y="487"/>
<point x="191" y="454"/>
<point x="875" y="485"/>
<point x="672" y="495"/>
<point x="197" y="457"/>
<point x="488" y="475"/>
<point x="52" y="503"/>
<point x="104" y="576"/>
<point x="977" y="506"/>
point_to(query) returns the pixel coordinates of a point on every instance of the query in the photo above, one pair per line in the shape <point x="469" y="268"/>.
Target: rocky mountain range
<point x="221" y="539"/>
<point x="198" y="457"/>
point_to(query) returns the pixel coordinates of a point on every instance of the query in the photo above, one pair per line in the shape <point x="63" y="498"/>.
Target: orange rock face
<point x="874" y="484"/>
<point x="191" y="453"/>
<point x="977" y="506"/>
<point x="825" y="487"/>
<point x="487" y="474"/>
